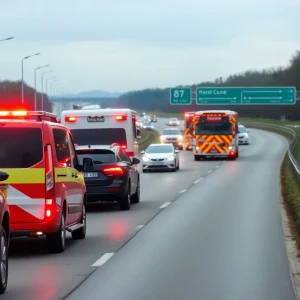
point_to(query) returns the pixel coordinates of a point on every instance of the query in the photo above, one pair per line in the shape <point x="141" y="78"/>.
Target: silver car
<point x="243" y="135"/>
<point x="160" y="157"/>
<point x="173" y="122"/>
<point x="172" y="136"/>
<point x="148" y="125"/>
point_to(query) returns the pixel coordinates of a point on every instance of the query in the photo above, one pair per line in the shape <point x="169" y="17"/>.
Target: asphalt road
<point x="220" y="238"/>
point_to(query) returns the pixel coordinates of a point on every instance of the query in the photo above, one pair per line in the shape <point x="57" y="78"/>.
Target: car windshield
<point x="99" y="156"/>
<point x="242" y="129"/>
<point x="160" y="149"/>
<point x="171" y="132"/>
<point x="147" y="123"/>
<point x="173" y="119"/>
<point x="214" y="128"/>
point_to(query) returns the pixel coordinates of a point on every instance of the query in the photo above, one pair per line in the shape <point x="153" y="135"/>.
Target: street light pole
<point x="42" y="86"/>
<point x="35" y="91"/>
<point x="26" y="57"/>
<point x="7" y="39"/>
<point x="47" y="84"/>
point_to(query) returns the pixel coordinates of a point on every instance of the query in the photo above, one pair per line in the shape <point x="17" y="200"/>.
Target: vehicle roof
<point x="171" y="128"/>
<point x="173" y="118"/>
<point x="157" y="145"/>
<point x="103" y="111"/>
<point x="23" y="123"/>
<point x="96" y="147"/>
<point x="216" y="111"/>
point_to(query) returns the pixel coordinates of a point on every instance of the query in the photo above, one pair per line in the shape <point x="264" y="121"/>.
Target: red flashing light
<point x="70" y="119"/>
<point x="15" y="113"/>
<point x="121" y="118"/>
<point x="124" y="147"/>
<point x="113" y="171"/>
<point x="232" y="153"/>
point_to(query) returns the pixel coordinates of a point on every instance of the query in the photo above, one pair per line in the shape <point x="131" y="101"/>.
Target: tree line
<point x="11" y="96"/>
<point x="158" y="99"/>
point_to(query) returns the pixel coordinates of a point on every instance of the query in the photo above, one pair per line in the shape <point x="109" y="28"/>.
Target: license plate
<point x="157" y="163"/>
<point x="90" y="175"/>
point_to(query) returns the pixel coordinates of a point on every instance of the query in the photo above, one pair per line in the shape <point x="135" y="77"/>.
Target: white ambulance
<point x="103" y="127"/>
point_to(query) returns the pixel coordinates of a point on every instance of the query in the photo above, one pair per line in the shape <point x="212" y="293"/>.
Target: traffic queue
<point x="52" y="168"/>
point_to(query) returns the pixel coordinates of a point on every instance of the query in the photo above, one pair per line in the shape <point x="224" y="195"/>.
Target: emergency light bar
<point x="117" y="144"/>
<point x="24" y="114"/>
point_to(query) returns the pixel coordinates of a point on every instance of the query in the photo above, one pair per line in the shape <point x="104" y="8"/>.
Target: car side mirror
<point x="3" y="176"/>
<point x="176" y="151"/>
<point x="135" y="161"/>
<point x="88" y="164"/>
<point x="142" y="152"/>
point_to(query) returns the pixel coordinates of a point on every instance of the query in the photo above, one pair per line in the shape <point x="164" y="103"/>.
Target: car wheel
<point x="56" y="242"/>
<point x="3" y="261"/>
<point x="125" y="201"/>
<point x="136" y="197"/>
<point x="177" y="168"/>
<point x="80" y="233"/>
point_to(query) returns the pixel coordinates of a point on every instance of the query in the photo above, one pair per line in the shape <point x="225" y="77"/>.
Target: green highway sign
<point x="246" y="95"/>
<point x="181" y="96"/>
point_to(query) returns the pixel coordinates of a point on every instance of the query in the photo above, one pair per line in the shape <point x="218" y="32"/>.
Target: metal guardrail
<point x="292" y="144"/>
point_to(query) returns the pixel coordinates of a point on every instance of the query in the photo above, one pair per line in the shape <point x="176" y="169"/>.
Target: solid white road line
<point x="198" y="180"/>
<point x="165" y="205"/>
<point x="102" y="260"/>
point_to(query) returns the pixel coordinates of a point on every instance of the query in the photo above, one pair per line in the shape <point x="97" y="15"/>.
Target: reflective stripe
<point x="24" y="176"/>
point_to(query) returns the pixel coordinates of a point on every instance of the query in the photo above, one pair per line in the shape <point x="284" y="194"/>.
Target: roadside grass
<point x="147" y="138"/>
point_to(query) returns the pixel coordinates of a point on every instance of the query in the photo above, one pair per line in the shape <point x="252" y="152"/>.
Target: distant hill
<point x="91" y="94"/>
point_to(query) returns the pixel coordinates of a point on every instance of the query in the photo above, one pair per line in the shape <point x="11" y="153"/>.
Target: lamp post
<point x="47" y="84"/>
<point x="7" y="39"/>
<point x="26" y="57"/>
<point x="52" y="87"/>
<point x="35" y="91"/>
<point x="42" y="87"/>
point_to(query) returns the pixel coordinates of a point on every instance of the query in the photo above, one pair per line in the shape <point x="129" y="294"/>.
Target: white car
<point x="173" y="122"/>
<point x="160" y="157"/>
<point x="148" y="125"/>
<point x="243" y="135"/>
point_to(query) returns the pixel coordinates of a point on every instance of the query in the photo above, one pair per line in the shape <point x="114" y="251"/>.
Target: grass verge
<point x="152" y="138"/>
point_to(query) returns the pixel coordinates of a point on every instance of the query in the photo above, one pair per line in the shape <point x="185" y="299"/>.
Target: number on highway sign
<point x="180" y="96"/>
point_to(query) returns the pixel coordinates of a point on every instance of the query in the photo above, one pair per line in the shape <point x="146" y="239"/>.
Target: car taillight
<point x="49" y="176"/>
<point x="124" y="146"/>
<point x="70" y="119"/>
<point x="113" y="171"/>
<point x="121" y="117"/>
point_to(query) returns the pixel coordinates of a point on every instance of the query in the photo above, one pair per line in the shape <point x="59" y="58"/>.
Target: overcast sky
<point x="122" y="45"/>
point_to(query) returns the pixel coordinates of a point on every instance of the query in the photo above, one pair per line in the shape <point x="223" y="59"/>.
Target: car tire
<point x="136" y="197"/>
<point x="125" y="201"/>
<point x="80" y="233"/>
<point x="4" y="261"/>
<point x="177" y="168"/>
<point x="56" y="242"/>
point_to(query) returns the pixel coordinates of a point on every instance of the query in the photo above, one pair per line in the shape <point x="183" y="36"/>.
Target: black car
<point x="110" y="175"/>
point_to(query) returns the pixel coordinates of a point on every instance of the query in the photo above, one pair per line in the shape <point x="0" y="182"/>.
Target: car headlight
<point x="180" y="138"/>
<point x="162" y="138"/>
<point x="145" y="158"/>
<point x="171" y="157"/>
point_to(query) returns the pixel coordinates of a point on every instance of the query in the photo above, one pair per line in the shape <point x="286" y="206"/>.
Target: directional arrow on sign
<point x="276" y="92"/>
<point x="266" y="98"/>
<point x="234" y="98"/>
